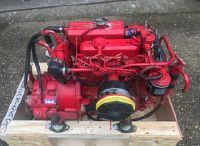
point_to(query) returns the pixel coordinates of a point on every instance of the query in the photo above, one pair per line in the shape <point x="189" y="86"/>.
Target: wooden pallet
<point x="159" y="130"/>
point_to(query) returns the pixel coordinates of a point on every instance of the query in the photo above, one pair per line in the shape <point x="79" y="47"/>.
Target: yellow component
<point x="113" y="98"/>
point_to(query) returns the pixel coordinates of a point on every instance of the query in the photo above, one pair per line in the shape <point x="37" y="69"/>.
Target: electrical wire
<point x="149" y="114"/>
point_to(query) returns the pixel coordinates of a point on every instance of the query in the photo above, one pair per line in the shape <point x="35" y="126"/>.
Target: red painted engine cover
<point x="76" y="31"/>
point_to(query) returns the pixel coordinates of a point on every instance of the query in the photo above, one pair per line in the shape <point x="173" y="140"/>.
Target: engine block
<point x="102" y="69"/>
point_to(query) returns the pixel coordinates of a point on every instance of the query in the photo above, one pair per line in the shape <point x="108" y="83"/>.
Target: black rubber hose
<point x="48" y="40"/>
<point x="28" y="53"/>
<point x="159" y="49"/>
<point x="146" y="69"/>
<point x="149" y="114"/>
<point x="58" y="29"/>
<point x="35" y="60"/>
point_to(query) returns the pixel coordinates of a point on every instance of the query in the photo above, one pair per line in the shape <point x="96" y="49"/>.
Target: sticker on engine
<point x="49" y="101"/>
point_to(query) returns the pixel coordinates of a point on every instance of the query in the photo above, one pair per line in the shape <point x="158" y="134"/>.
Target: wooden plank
<point x="153" y="133"/>
<point x="166" y="111"/>
<point x="43" y="68"/>
<point x="28" y="140"/>
<point x="141" y="113"/>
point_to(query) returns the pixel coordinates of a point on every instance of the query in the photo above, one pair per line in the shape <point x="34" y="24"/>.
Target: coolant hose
<point x="37" y="66"/>
<point x="58" y="29"/>
<point x="148" y="68"/>
<point x="28" y="53"/>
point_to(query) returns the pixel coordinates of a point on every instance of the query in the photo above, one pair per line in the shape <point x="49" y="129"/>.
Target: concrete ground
<point x="183" y="30"/>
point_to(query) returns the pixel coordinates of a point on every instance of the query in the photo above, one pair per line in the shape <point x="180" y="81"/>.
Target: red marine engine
<point x="101" y="69"/>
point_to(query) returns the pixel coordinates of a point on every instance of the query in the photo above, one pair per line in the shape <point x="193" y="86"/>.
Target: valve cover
<point x="111" y="47"/>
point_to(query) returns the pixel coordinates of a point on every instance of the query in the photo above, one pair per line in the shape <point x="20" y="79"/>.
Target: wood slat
<point x="153" y="133"/>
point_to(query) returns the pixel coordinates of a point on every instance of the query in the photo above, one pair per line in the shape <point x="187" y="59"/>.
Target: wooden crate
<point x="159" y="130"/>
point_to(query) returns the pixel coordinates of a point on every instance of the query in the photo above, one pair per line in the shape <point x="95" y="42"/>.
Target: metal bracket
<point x="125" y="126"/>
